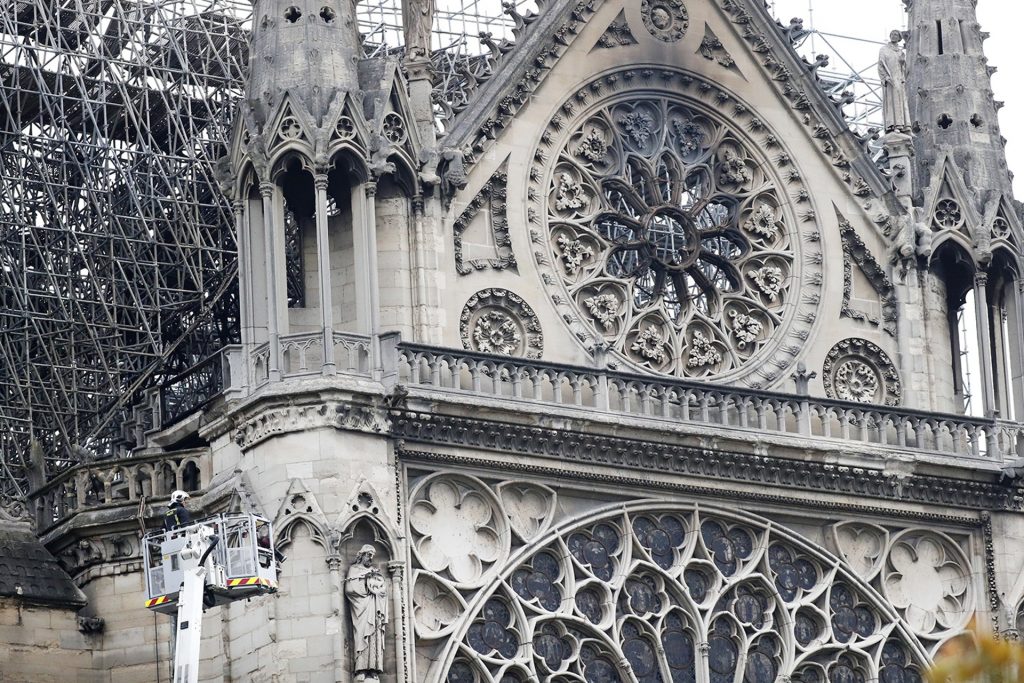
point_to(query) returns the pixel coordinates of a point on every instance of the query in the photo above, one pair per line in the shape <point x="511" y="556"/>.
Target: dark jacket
<point x="176" y="516"/>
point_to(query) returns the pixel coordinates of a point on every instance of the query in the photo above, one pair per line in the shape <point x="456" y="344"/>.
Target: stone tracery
<point x="654" y="593"/>
<point x="671" y="236"/>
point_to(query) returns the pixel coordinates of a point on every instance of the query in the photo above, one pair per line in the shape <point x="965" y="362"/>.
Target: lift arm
<point x="196" y="552"/>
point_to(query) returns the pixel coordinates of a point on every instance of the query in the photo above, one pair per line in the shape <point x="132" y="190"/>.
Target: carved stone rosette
<point x="500" y="322"/>
<point x="672" y="239"/>
<point x="857" y="370"/>
<point x="666" y="20"/>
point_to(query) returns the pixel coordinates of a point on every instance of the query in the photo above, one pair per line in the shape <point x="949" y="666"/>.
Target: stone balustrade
<point x="112" y="483"/>
<point x="727" y="408"/>
<point x="302" y="355"/>
<point x="473" y="377"/>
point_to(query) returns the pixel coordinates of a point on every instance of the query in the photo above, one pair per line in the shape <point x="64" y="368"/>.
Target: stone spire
<point x="307" y="49"/>
<point x="951" y="99"/>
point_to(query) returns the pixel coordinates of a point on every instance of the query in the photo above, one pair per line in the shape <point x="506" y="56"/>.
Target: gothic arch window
<point x="672" y="236"/>
<point x="662" y="593"/>
<point x="1004" y="302"/>
<point x="954" y="271"/>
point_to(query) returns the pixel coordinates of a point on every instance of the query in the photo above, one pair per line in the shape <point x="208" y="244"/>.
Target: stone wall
<point x="44" y="645"/>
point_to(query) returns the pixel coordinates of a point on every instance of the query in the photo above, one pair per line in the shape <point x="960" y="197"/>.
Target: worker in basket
<point x="177" y="515"/>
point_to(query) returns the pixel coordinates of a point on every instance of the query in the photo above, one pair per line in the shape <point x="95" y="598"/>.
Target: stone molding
<point x="704" y="462"/>
<point x="856" y="252"/>
<point x="298" y="418"/>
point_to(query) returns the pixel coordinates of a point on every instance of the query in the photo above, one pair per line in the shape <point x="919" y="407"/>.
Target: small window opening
<point x="327" y="14"/>
<point x="945" y="121"/>
<point x="292" y="14"/>
<point x="970" y="357"/>
<point x="938" y="26"/>
<point x="977" y="121"/>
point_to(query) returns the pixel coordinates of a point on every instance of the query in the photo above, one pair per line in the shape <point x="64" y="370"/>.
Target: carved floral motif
<point x="665" y="19"/>
<point x="500" y="322"/>
<point x="856" y="381"/>
<point x="769" y="280"/>
<point x="651" y="345"/>
<point x="857" y="370"/>
<point x="458" y="531"/>
<point x="574" y="253"/>
<point x="570" y="194"/>
<point x="496" y="332"/>
<point x="745" y="328"/>
<point x="927" y="578"/>
<point x="594" y="146"/>
<point x="604" y="308"/>
<point x="702" y="352"/>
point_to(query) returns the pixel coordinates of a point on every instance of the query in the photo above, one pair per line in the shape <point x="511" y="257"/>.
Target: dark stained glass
<point x="661" y="536"/>
<point x="461" y="672"/>
<point x="849" y="617"/>
<point x="679" y="652"/>
<point x="596" y="549"/>
<point x="588" y="602"/>
<point x="697" y="583"/>
<point x="551" y="647"/>
<point x="723" y="653"/>
<point x="491" y="633"/>
<point x="538" y="582"/>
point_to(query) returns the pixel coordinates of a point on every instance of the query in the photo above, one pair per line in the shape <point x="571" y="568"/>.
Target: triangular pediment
<point x="1003" y="223"/>
<point x="949" y="206"/>
<point x="738" y="36"/>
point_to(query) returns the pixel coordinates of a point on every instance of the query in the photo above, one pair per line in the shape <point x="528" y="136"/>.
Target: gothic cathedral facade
<point x="619" y="358"/>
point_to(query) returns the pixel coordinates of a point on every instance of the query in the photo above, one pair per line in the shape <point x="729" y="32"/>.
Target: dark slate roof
<point x="28" y="571"/>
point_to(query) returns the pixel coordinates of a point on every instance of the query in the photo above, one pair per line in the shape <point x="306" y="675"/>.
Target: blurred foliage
<point x="979" y="657"/>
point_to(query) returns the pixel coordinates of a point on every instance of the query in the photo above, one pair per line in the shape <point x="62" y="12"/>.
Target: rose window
<point x="677" y="596"/>
<point x="671" y="237"/>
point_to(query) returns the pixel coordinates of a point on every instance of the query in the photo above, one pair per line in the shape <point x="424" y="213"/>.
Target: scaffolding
<point x="117" y="252"/>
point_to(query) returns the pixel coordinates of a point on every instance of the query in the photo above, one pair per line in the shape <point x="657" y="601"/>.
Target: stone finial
<point x="803" y="379"/>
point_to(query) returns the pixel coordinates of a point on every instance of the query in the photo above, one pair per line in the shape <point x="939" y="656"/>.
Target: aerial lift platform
<point x="211" y="562"/>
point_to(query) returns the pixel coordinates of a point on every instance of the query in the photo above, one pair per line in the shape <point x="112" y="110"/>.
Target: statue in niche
<point x="892" y="69"/>
<point x="418" y="21"/>
<point x="366" y="591"/>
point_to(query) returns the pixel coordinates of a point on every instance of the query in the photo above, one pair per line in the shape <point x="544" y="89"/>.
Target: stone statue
<point x="366" y="591"/>
<point x="418" y="20"/>
<point x="892" y="69"/>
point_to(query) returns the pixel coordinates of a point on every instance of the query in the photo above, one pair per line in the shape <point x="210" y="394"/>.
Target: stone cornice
<point x="621" y="481"/>
<point x="620" y="453"/>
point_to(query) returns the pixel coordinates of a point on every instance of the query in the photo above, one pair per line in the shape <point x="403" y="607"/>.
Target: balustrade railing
<point x="125" y="481"/>
<point x="302" y="355"/>
<point x="762" y="412"/>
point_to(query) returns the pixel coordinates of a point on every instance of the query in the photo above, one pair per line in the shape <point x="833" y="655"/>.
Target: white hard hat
<point x="178" y="496"/>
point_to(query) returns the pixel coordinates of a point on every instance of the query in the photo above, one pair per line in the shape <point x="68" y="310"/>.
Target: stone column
<point x="323" y="257"/>
<point x="340" y="642"/>
<point x="396" y="569"/>
<point x="244" y="289"/>
<point x="1015" y="324"/>
<point x="419" y="303"/>
<point x="270" y="239"/>
<point x="364" y="242"/>
<point x="984" y="331"/>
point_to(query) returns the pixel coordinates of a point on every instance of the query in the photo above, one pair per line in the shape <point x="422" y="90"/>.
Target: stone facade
<point x="643" y="369"/>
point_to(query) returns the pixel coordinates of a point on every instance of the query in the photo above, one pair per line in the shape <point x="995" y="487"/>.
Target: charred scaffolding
<point x="117" y="252"/>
